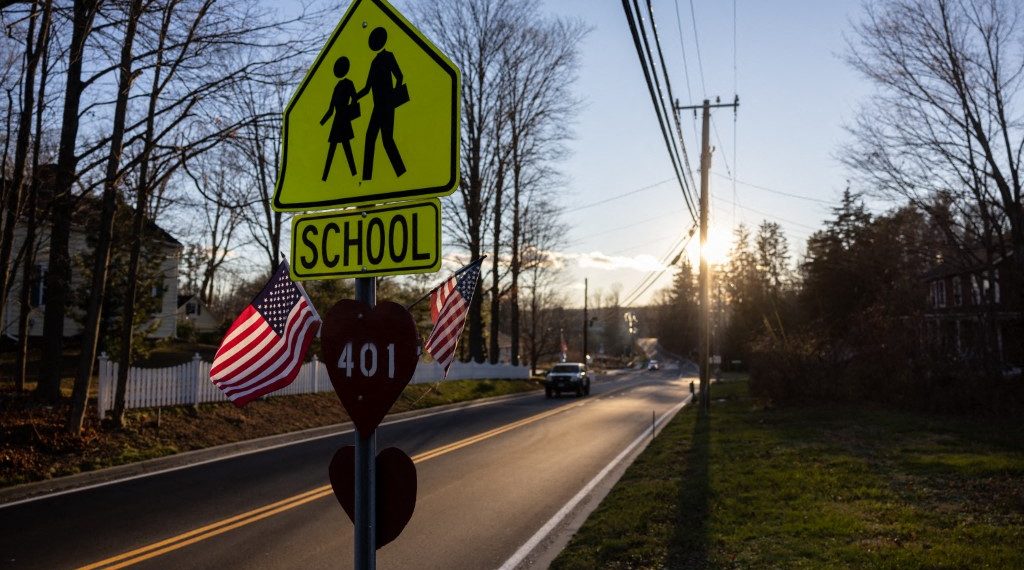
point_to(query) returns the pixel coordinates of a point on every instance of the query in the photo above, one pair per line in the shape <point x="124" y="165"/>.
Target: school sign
<point x="375" y="120"/>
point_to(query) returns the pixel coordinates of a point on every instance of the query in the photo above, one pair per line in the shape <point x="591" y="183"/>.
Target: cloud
<point x="601" y="261"/>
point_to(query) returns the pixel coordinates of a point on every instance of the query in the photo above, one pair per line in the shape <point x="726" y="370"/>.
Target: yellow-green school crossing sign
<point x="375" y="120"/>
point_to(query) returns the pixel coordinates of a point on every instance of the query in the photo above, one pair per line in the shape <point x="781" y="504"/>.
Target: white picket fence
<point x="189" y="383"/>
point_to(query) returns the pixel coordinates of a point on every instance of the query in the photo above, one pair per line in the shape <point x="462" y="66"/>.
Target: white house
<point x="192" y="309"/>
<point x="164" y="321"/>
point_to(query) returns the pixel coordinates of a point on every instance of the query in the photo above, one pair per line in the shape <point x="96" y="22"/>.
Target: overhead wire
<point x="656" y="98"/>
<point x="623" y="195"/>
<point x="696" y="42"/>
<point x="672" y="253"/>
<point x="671" y="96"/>
<point x="639" y="294"/>
<point x="772" y="190"/>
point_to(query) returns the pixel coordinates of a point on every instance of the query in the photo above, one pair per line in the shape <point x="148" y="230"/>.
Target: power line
<point x="656" y="98"/>
<point x="772" y="190"/>
<point x="669" y="254"/>
<point x="671" y="96"/>
<point x="636" y="297"/>
<point x="771" y="216"/>
<point x="582" y="239"/>
<point x="696" y="42"/>
<point x="682" y="48"/>
<point x="623" y="195"/>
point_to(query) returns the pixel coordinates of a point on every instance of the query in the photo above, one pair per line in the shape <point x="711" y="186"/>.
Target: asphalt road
<point x="489" y="478"/>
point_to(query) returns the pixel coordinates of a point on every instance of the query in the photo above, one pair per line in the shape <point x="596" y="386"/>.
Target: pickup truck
<point x="567" y="377"/>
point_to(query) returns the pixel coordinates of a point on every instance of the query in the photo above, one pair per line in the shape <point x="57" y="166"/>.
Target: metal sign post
<point x="365" y="477"/>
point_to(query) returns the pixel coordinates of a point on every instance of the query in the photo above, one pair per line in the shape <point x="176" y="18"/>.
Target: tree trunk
<point x="533" y="329"/>
<point x="21" y="148"/>
<point x="58" y="276"/>
<point x="495" y="351"/>
<point x="516" y="265"/>
<point x="101" y="260"/>
<point x="28" y="262"/>
<point x="138" y="223"/>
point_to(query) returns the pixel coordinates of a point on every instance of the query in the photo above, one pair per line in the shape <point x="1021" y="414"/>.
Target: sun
<point x="717" y="249"/>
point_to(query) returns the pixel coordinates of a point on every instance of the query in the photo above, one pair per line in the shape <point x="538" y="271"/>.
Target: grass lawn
<point x="33" y="445"/>
<point x="815" y="487"/>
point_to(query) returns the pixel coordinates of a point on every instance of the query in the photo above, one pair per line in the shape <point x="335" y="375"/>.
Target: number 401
<point x="367" y="359"/>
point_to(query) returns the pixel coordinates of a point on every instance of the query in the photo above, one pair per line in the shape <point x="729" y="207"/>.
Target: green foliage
<point x="149" y="281"/>
<point x="812" y="487"/>
<point x="858" y="332"/>
<point x="676" y="316"/>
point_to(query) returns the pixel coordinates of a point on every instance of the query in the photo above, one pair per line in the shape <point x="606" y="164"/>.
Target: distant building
<point x="973" y="306"/>
<point x="191" y="309"/>
<point x="163" y="323"/>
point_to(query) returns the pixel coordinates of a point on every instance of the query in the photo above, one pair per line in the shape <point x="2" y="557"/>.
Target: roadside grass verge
<point x="813" y="487"/>
<point x="33" y="445"/>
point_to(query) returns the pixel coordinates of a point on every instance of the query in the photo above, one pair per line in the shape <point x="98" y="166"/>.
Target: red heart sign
<point x="370" y="354"/>
<point x="396" y="489"/>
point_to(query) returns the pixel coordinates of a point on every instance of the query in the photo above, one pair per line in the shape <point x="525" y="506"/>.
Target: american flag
<point x="264" y="348"/>
<point x="449" y="304"/>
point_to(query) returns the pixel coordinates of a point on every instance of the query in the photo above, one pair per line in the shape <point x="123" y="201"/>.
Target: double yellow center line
<point x="202" y="533"/>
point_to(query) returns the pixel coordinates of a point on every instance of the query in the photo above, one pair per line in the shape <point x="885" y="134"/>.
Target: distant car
<point x="567" y="377"/>
<point x="654" y="365"/>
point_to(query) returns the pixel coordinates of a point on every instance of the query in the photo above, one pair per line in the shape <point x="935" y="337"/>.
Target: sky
<point x="796" y="94"/>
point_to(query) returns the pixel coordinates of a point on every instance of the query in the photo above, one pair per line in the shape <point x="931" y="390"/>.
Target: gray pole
<point x="366" y="472"/>
<point x="586" y="323"/>
<point x="705" y="307"/>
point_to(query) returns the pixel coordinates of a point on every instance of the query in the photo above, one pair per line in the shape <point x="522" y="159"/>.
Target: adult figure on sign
<point x="388" y="95"/>
<point x="345" y="108"/>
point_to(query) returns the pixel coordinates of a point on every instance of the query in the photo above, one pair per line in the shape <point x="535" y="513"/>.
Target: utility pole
<point x="704" y="349"/>
<point x="586" y="323"/>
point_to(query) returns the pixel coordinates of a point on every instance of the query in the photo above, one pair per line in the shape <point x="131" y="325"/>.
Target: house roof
<point x="182" y="299"/>
<point x="87" y="208"/>
<point x="951" y="267"/>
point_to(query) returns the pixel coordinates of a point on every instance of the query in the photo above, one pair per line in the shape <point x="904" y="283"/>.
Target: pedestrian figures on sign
<point x="387" y="97"/>
<point x="345" y="108"/>
<point x="384" y="83"/>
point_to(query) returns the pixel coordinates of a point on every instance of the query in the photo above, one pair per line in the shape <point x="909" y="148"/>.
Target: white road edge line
<point x="545" y="530"/>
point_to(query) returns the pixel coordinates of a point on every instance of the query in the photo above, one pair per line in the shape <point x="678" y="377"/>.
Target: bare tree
<point x="13" y="193"/>
<point x="31" y="217"/>
<point x="946" y="129"/>
<point x="473" y="34"/>
<point x="104" y="240"/>
<point x="223" y="206"/>
<point x="58" y="276"/>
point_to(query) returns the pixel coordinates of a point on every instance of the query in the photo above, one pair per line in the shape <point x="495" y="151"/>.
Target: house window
<point x="192" y="309"/>
<point x="975" y="291"/>
<point x="958" y="291"/>
<point x="38" y="298"/>
<point x="938" y="294"/>
<point x="990" y="287"/>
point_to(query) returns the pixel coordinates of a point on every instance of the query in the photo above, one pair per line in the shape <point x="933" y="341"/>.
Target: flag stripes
<point x="451" y="302"/>
<point x="264" y="348"/>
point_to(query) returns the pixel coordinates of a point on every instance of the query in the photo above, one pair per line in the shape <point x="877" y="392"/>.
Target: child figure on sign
<point x="345" y="108"/>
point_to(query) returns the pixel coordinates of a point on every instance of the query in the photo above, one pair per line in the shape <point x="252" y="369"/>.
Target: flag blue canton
<point x="467" y="283"/>
<point x="277" y="299"/>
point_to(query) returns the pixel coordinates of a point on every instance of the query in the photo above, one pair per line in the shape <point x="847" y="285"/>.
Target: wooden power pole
<point x="704" y="349"/>
<point x="586" y="323"/>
